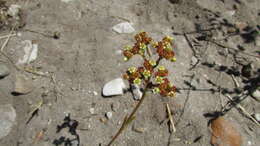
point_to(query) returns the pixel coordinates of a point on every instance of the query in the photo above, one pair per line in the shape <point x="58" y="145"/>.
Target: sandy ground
<point x="86" y="56"/>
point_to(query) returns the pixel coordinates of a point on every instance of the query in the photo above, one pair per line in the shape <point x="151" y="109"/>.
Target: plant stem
<point x="128" y="119"/>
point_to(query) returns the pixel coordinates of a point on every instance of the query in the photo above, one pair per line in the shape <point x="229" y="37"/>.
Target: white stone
<point x="229" y="13"/>
<point x="256" y="94"/>
<point x="13" y="10"/>
<point x="136" y="91"/>
<point x="30" y="50"/>
<point x="7" y="119"/>
<point x="114" y="87"/>
<point x="109" y="115"/>
<point x="124" y="27"/>
<point x="194" y="60"/>
<point x="95" y="93"/>
<point x="257" y="116"/>
<point x="92" y="111"/>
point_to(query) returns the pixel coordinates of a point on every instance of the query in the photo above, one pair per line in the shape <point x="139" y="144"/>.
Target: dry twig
<point x="170" y="117"/>
<point x="7" y="40"/>
<point x="243" y="110"/>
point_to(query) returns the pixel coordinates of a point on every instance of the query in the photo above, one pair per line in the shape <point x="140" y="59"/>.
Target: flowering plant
<point x="151" y="75"/>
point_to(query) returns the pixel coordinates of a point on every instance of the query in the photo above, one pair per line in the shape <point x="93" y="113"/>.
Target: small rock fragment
<point x="92" y="111"/>
<point x="4" y="70"/>
<point x="14" y="10"/>
<point x="136" y="92"/>
<point x="7" y="119"/>
<point x="257" y="116"/>
<point x="124" y="27"/>
<point x="95" y="93"/>
<point x="194" y="60"/>
<point x="114" y="87"/>
<point x="224" y="133"/>
<point x="30" y="50"/>
<point x="109" y="115"/>
<point x="256" y="94"/>
<point x="229" y="13"/>
<point x="257" y="41"/>
<point x="22" y="85"/>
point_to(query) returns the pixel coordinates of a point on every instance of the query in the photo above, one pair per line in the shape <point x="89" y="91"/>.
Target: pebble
<point x="256" y="94"/>
<point x="229" y="13"/>
<point x="257" y="116"/>
<point x="225" y="133"/>
<point x="4" y="70"/>
<point x="114" y="87"/>
<point x="109" y="115"/>
<point x="95" y="93"/>
<point x="7" y="119"/>
<point x="136" y="92"/>
<point x="22" y="85"/>
<point x="194" y="60"/>
<point x="92" y="111"/>
<point x="124" y="27"/>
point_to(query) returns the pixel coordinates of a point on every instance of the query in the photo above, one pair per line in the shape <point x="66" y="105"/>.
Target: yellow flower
<point x="173" y="59"/>
<point x="127" y="47"/>
<point x="161" y="68"/>
<point x="143" y="46"/>
<point x="154" y="44"/>
<point x="159" y="80"/>
<point x="168" y="47"/>
<point x="132" y="70"/>
<point x="125" y="59"/>
<point x="152" y="62"/>
<point x="141" y="52"/>
<point x="156" y="90"/>
<point x="137" y="81"/>
<point x="146" y="74"/>
<point x="172" y="94"/>
<point x="169" y="38"/>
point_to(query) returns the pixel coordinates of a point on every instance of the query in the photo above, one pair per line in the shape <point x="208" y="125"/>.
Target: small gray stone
<point x="4" y="70"/>
<point x="7" y="119"/>
<point x="22" y="85"/>
<point x="194" y="60"/>
<point x="136" y="92"/>
<point x="109" y="115"/>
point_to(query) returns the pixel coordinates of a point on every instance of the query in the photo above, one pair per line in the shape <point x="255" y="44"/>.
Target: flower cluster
<point x="150" y="73"/>
<point x="140" y="47"/>
<point x="164" y="48"/>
